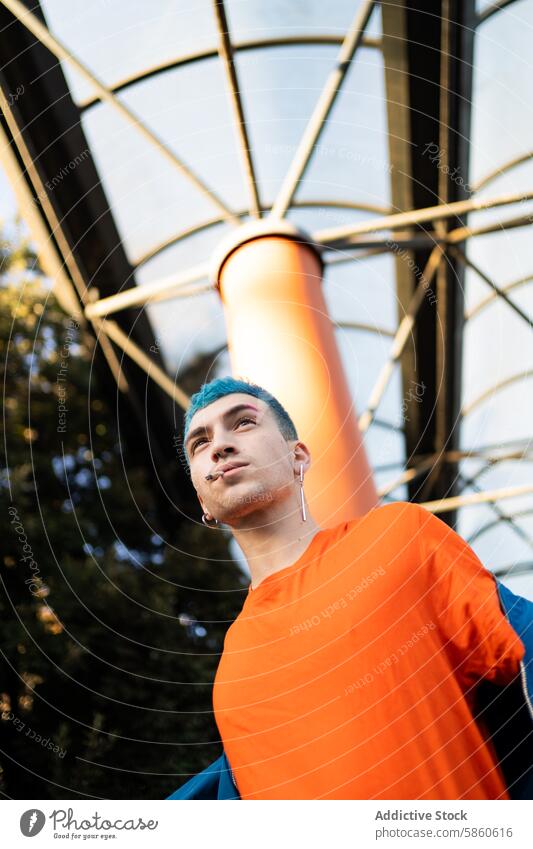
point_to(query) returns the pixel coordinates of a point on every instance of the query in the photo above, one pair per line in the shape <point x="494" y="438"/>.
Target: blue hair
<point x="222" y="386"/>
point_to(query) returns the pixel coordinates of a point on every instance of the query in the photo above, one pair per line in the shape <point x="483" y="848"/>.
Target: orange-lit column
<point x="280" y="336"/>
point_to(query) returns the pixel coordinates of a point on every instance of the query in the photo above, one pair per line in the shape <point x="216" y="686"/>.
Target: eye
<point x="196" y="443"/>
<point x="245" y="419"/>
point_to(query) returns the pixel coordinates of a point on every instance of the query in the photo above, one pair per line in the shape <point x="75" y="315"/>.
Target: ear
<point x="302" y="456"/>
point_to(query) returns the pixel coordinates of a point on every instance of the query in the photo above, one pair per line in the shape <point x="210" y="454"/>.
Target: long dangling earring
<point x="206" y="523"/>
<point x="302" y="500"/>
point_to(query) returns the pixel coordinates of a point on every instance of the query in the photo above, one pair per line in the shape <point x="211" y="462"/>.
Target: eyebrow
<point x="232" y="410"/>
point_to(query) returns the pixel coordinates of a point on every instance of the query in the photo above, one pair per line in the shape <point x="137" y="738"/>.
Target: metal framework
<point x="225" y="50"/>
<point x="427" y="48"/>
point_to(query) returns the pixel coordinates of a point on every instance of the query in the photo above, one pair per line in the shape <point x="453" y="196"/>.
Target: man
<point x="357" y="665"/>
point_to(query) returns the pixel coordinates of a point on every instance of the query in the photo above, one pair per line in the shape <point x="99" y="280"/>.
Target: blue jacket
<point x="506" y="713"/>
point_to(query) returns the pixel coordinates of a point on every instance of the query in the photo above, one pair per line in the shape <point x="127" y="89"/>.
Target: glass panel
<point x="117" y="39"/>
<point x="257" y="19"/>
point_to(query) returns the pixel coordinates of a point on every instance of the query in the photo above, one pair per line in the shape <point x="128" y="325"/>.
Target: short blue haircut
<point x="222" y="386"/>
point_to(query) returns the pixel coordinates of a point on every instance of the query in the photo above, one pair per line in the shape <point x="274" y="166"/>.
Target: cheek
<point x="274" y="459"/>
<point x="198" y="480"/>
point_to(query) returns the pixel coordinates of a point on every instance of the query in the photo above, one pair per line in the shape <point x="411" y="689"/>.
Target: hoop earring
<point x="206" y="523"/>
<point x="302" y="500"/>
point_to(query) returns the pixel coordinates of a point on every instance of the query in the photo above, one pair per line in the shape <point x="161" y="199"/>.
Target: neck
<point x="273" y="538"/>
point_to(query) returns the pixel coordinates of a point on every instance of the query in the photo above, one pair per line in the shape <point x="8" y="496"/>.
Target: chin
<point x="244" y="504"/>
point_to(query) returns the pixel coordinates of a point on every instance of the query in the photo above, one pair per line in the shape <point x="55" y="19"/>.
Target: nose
<point x="220" y="447"/>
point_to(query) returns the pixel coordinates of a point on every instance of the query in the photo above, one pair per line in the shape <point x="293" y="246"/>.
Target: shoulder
<point x="427" y="530"/>
<point x="398" y="516"/>
<point x="409" y="517"/>
<point x="387" y="531"/>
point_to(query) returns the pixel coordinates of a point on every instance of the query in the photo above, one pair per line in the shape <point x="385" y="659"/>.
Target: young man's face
<point x="240" y="429"/>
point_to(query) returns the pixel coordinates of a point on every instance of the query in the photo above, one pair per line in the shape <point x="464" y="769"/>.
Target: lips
<point x="231" y="467"/>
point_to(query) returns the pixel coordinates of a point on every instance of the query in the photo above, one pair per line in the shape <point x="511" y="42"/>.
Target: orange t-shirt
<point x="351" y="673"/>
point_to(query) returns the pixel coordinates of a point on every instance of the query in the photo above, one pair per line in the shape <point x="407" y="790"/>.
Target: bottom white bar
<point x="233" y="824"/>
